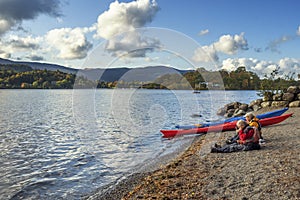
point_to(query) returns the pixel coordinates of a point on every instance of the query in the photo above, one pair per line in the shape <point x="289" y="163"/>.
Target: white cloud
<point x="229" y="64"/>
<point x="71" y="43"/>
<point x="133" y="44"/>
<point x="205" y="54"/>
<point x="231" y="44"/>
<point x="16" y="43"/>
<point x="298" y="31"/>
<point x="204" y="32"/>
<point x="13" y="45"/>
<point x="123" y="17"/>
<point x="289" y="64"/>
<point x="261" y="67"/>
<point x="226" y="44"/>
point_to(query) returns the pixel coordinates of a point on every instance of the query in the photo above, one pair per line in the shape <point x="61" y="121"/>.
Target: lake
<point x="67" y="143"/>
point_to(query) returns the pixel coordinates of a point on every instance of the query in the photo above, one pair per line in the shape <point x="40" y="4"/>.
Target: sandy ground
<point x="273" y="172"/>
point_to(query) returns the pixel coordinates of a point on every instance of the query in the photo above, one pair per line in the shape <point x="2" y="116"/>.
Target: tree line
<point x="17" y="76"/>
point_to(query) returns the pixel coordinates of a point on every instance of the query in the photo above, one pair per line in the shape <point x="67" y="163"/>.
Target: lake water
<point x="67" y="143"/>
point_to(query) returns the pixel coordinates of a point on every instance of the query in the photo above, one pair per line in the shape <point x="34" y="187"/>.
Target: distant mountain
<point x="39" y="65"/>
<point x="145" y="74"/>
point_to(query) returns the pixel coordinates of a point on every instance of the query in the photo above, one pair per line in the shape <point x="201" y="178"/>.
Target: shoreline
<point x="269" y="173"/>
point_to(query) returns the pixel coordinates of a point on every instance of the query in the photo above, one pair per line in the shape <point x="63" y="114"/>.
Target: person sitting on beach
<point x="248" y="140"/>
<point x="253" y="121"/>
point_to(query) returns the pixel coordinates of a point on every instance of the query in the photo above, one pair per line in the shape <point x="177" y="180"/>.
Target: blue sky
<point x="260" y="35"/>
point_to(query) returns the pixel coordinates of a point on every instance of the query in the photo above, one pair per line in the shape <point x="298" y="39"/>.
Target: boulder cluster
<point x="290" y="98"/>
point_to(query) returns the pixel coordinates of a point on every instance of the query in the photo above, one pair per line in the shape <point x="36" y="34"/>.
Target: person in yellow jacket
<point x="253" y="121"/>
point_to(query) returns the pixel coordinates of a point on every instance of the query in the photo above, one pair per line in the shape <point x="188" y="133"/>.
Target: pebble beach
<point x="273" y="172"/>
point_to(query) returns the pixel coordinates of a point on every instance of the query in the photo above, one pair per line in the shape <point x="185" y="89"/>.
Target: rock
<point x="236" y="111"/>
<point x="229" y="106"/>
<point x="228" y="115"/>
<point x="255" y="102"/>
<point x="256" y="107"/>
<point x="268" y="96"/>
<point x="236" y="105"/>
<point x="293" y="89"/>
<point x="231" y="111"/>
<point x="249" y="110"/>
<point x="239" y="113"/>
<point x="243" y="107"/>
<point x="265" y="104"/>
<point x="288" y="97"/>
<point x="233" y="105"/>
<point x="294" y="104"/>
<point x="280" y="104"/>
<point x="221" y="111"/>
<point x="277" y="97"/>
<point x="291" y="98"/>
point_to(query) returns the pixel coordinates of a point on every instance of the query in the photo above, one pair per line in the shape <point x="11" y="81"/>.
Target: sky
<point x="215" y="34"/>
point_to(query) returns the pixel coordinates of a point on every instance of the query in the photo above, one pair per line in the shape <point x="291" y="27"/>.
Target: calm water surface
<point x="67" y="143"/>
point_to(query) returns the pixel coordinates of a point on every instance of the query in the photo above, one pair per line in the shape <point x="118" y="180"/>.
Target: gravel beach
<point x="273" y="172"/>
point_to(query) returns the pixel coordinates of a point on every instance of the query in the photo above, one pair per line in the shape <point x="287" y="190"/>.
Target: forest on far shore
<point x="18" y="76"/>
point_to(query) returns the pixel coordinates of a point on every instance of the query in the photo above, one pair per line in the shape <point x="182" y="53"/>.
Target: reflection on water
<point x="64" y="143"/>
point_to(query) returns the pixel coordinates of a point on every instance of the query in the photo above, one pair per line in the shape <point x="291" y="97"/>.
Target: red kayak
<point x="222" y="127"/>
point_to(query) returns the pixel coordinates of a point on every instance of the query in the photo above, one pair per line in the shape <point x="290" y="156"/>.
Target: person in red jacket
<point x="248" y="140"/>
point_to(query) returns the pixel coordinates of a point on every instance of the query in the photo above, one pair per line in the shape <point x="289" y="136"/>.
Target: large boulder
<point x="249" y="109"/>
<point x="288" y="96"/>
<point x="239" y="112"/>
<point x="256" y="107"/>
<point x="298" y="96"/>
<point x="277" y="97"/>
<point x="280" y="103"/>
<point x="243" y="107"/>
<point x="229" y="113"/>
<point x="294" y="104"/>
<point x="221" y="111"/>
<point x="293" y="89"/>
<point x="265" y="104"/>
<point x="255" y="102"/>
<point x="268" y="96"/>
<point x="233" y="105"/>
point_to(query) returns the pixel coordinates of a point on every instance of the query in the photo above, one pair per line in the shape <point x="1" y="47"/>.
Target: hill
<point x="149" y="73"/>
<point x="144" y="74"/>
<point x="39" y="65"/>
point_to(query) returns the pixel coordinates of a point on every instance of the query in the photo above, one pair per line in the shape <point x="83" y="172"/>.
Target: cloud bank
<point x="227" y="44"/>
<point x="72" y="43"/>
<point x="261" y="67"/>
<point x="13" y="12"/>
<point x="14" y="44"/>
